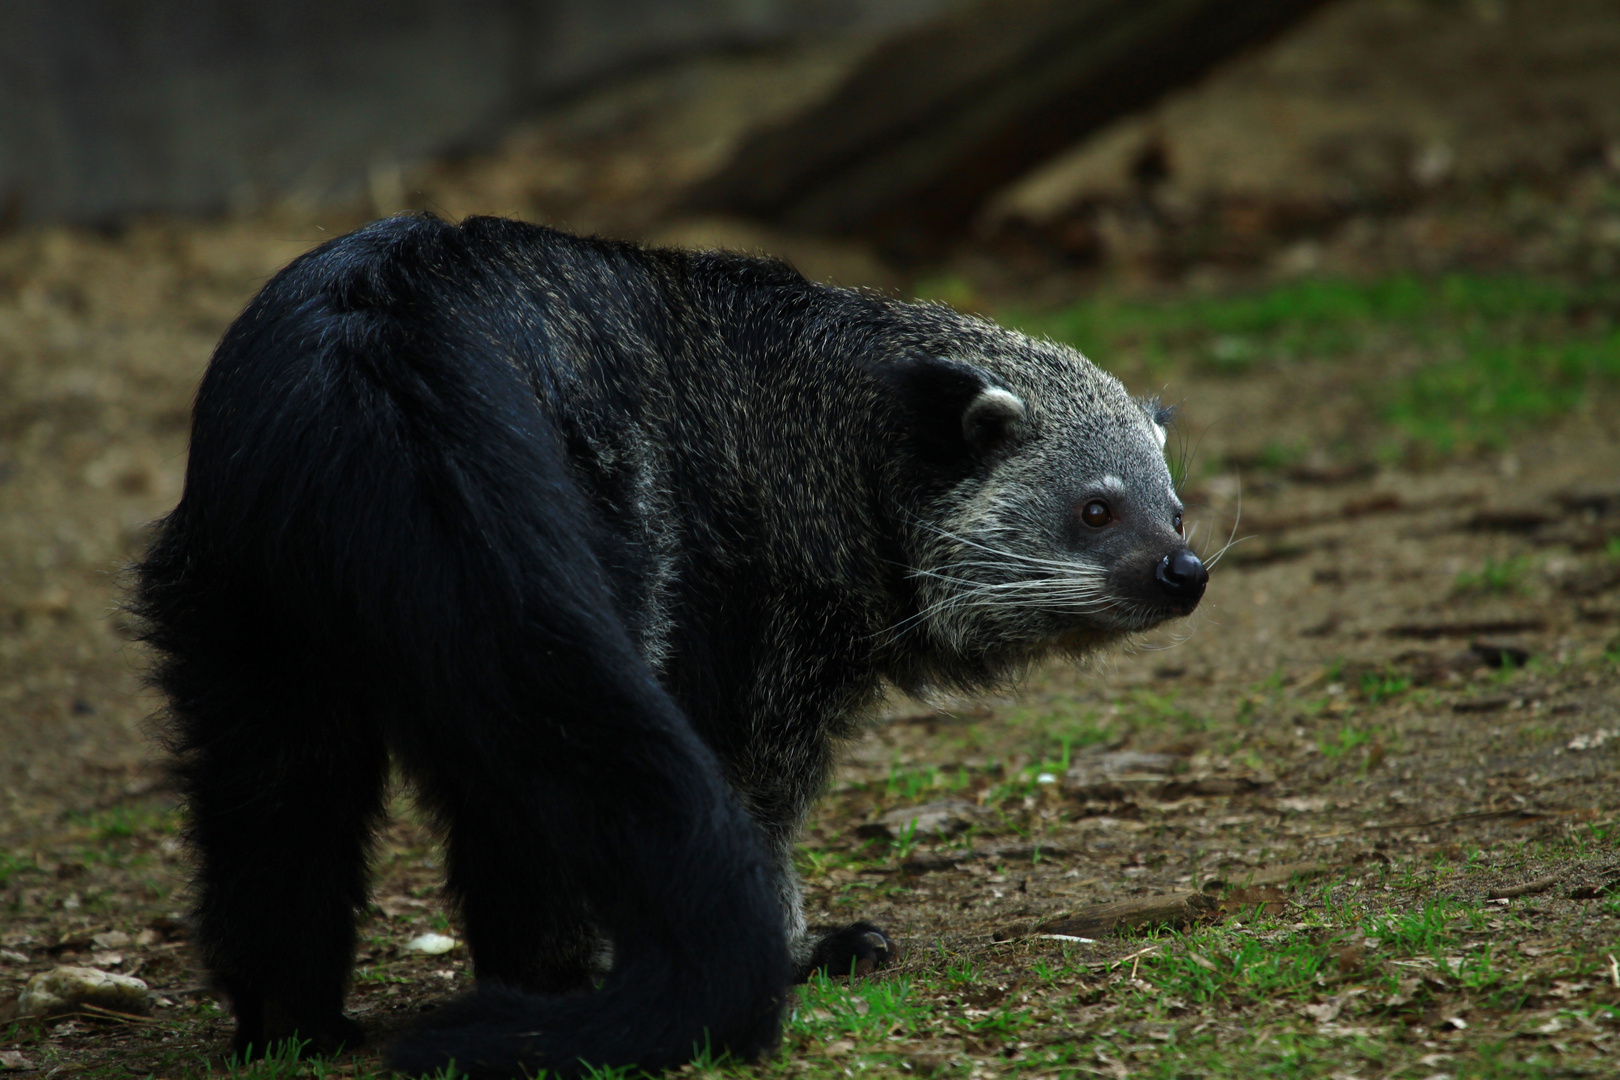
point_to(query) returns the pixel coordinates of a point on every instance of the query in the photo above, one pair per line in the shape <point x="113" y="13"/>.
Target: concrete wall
<point x="113" y="107"/>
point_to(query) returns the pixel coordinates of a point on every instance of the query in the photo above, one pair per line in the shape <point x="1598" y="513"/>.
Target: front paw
<point x="857" y="949"/>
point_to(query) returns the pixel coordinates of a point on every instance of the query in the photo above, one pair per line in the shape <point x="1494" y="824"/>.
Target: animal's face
<point x="1057" y="524"/>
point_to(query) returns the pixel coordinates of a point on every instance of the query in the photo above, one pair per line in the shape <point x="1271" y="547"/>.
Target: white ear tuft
<point x="991" y="417"/>
<point x="1161" y="434"/>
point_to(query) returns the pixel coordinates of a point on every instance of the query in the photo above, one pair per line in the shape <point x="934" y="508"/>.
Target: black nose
<point x="1182" y="576"/>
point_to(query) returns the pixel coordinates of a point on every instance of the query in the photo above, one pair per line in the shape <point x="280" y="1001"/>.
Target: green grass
<point x="1496" y="576"/>
<point x="11" y="865"/>
<point x="1493" y="389"/>
<point x="1495" y="355"/>
<point x="865" y="1010"/>
<point x="908" y="784"/>
<point x="1347" y="741"/>
<point x="1393" y="969"/>
<point x="1058" y="720"/>
<point x="1216" y="968"/>
<point x="1381" y="686"/>
<point x="366" y="974"/>
<point x="286" y="1064"/>
<point x="1153" y="712"/>
<point x="1421" y="932"/>
<point x="123" y="822"/>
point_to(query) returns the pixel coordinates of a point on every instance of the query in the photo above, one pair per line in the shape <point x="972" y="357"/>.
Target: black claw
<point x="857" y="949"/>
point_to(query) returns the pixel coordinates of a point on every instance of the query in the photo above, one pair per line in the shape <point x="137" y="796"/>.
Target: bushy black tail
<point x="380" y="545"/>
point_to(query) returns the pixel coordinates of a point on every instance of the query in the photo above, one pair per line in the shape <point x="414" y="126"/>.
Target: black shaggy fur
<point x="604" y="547"/>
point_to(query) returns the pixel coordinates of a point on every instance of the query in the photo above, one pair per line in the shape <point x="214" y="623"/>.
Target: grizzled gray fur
<point x="607" y="548"/>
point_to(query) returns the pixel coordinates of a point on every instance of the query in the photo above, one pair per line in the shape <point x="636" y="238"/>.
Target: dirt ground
<point x="1362" y="809"/>
<point x="1331" y="709"/>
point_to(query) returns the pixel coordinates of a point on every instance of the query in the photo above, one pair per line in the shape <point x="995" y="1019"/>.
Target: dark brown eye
<point x="1096" y="514"/>
<point x="1178" y="524"/>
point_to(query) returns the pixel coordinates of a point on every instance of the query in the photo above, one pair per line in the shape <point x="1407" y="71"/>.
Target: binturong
<point x="605" y="549"/>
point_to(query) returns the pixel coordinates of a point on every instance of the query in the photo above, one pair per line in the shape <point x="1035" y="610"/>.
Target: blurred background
<point x="1162" y="138"/>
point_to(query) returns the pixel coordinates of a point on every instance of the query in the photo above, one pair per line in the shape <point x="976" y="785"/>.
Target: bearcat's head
<point x="1039" y="511"/>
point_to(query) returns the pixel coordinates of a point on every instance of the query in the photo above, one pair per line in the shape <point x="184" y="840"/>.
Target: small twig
<point x="114" y="1014"/>
<point x="1319" y="675"/>
<point x="1540" y="884"/>
<point x="1136" y="954"/>
<point x="1135" y="958"/>
<point x="1614" y="971"/>
<point x="1069" y="937"/>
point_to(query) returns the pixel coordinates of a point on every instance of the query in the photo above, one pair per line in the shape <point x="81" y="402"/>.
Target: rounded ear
<point x="953" y="410"/>
<point x="1160" y="416"/>
<point x="992" y="418"/>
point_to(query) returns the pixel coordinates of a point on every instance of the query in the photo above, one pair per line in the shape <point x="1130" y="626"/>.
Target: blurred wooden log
<point x="938" y="119"/>
<point x="1176" y="909"/>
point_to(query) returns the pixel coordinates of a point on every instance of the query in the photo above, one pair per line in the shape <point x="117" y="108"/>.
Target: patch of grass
<point x="1222" y="967"/>
<point x="1509" y="671"/>
<point x="1504" y="576"/>
<point x="367" y="974"/>
<point x="1492" y="390"/>
<point x="1145" y="709"/>
<point x="286" y="1064"/>
<point x="1005" y="1022"/>
<point x="1057" y="721"/>
<point x="816" y="862"/>
<point x="1234" y="332"/>
<point x="1423" y="931"/>
<point x="1380" y="686"/>
<point x="904" y="783"/>
<point x="702" y="1063"/>
<point x="11" y="865"/>
<point x="1594" y="837"/>
<point x="1499" y="353"/>
<point x="906" y="842"/>
<point x="864" y="1010"/>
<point x="1347" y="741"/>
<point x="1025" y="784"/>
<point x="123" y="822"/>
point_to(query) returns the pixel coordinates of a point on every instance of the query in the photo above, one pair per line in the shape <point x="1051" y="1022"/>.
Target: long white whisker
<point x="1000" y="554"/>
<point x="1231" y="537"/>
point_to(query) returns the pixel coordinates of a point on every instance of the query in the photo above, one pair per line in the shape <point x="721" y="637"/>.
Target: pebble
<point x="431" y="944"/>
<point x="65" y="989"/>
<point x="933" y="819"/>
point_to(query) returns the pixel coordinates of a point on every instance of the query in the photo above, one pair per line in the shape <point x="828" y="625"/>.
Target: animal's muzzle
<point x="1182" y="577"/>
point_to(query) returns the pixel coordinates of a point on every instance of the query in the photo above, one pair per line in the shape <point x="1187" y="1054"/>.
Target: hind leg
<point x="282" y="797"/>
<point x="526" y="924"/>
